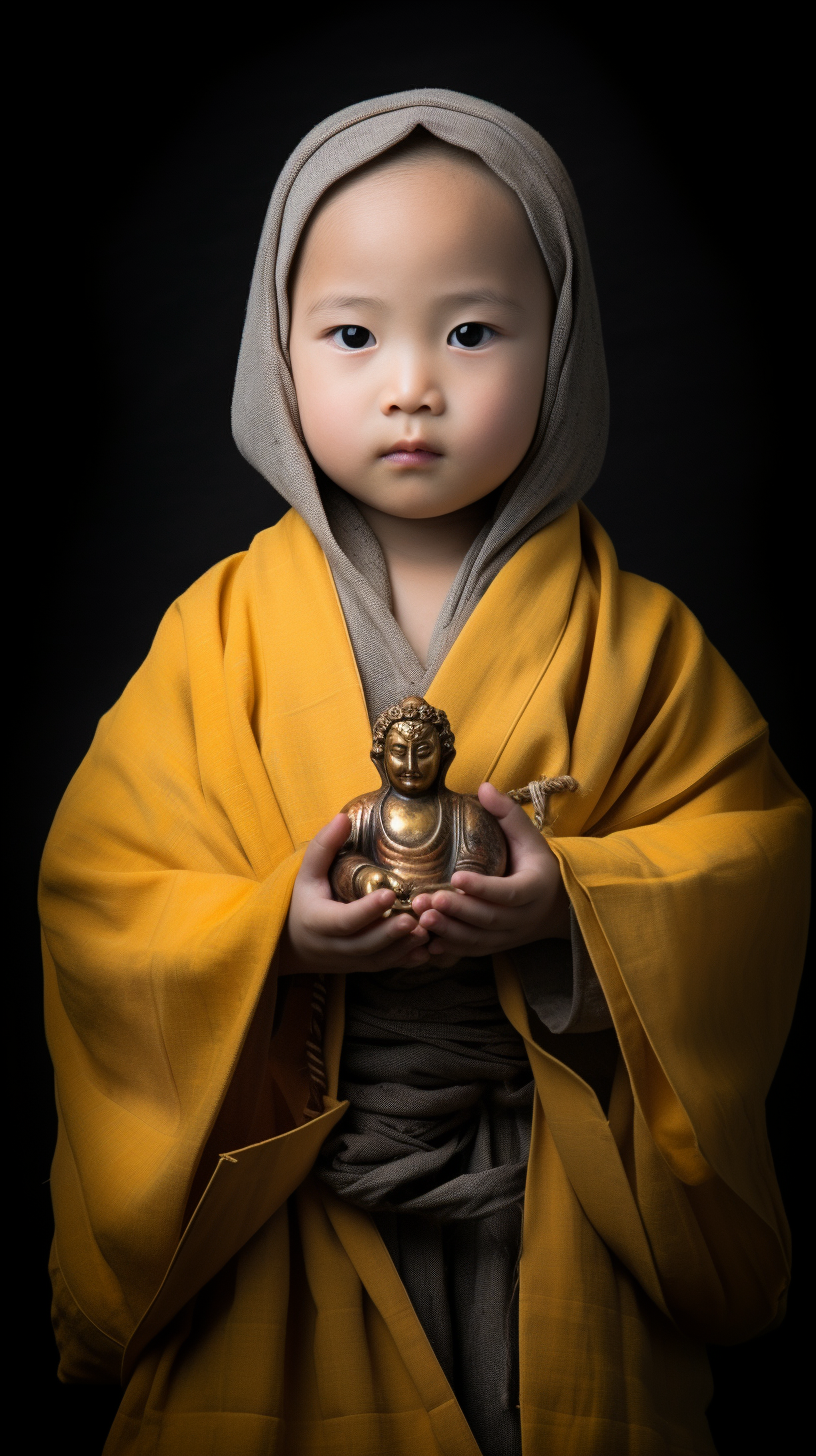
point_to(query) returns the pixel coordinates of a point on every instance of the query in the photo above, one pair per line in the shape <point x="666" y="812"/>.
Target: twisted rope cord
<point x="538" y="792"/>
<point x="318" y="1085"/>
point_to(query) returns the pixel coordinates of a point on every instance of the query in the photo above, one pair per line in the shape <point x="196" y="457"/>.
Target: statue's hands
<point x="325" y="935"/>
<point x="369" y="878"/>
<point x="496" y="914"/>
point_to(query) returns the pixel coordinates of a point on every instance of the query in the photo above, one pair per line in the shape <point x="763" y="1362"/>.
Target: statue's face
<point x="412" y="757"/>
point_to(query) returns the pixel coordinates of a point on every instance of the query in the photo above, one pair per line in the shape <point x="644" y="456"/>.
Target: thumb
<point x="323" y="848"/>
<point x="520" y="834"/>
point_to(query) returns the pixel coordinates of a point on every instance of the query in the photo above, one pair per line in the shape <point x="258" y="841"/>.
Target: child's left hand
<point x="495" y="914"/>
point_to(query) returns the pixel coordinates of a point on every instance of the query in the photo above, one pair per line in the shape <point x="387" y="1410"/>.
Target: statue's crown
<point x="415" y="711"/>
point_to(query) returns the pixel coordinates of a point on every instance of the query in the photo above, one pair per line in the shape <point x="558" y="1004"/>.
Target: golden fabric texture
<point x="250" y="1310"/>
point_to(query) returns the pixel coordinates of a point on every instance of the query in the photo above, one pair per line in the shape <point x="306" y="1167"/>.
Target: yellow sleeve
<point x="165" y="883"/>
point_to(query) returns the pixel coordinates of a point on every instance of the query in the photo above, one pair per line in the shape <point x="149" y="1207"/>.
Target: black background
<point x="157" y="140"/>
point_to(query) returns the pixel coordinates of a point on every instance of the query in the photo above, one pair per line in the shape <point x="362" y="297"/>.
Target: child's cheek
<point x="493" y="418"/>
<point x="333" y="413"/>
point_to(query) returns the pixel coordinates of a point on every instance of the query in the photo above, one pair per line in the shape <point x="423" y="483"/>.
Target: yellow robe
<point x="248" y="1309"/>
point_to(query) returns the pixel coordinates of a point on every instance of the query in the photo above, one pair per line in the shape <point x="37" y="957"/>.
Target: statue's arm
<point x="349" y="860"/>
<point x="353" y="874"/>
<point x="483" y="847"/>
<point x="343" y="872"/>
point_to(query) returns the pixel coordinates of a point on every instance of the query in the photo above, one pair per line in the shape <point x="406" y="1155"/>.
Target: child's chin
<point x="405" y="497"/>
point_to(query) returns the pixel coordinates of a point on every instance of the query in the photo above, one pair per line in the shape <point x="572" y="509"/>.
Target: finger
<point x="379" y="939"/>
<point x="326" y="844"/>
<point x="444" y="928"/>
<point x="336" y="918"/>
<point x="466" y="911"/>
<point x="513" y="890"/>
<point x="367" y="954"/>
<point x="405" y="953"/>
<point x="452" y="937"/>
<point x="399" y="958"/>
<point x="521" y="835"/>
<point x="424" y="901"/>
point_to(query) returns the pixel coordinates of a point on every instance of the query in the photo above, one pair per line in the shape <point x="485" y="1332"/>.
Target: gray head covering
<point x="570" y="440"/>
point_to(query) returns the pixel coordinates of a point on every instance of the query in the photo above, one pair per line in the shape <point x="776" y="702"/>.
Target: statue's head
<point x="413" y="747"/>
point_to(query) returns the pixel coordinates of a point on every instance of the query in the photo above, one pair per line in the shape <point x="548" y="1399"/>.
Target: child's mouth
<point x="414" y="452"/>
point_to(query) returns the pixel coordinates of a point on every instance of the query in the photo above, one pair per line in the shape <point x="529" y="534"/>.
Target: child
<point x="538" y="1178"/>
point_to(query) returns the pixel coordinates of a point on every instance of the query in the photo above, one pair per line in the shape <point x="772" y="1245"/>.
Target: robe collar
<point x="313" y="728"/>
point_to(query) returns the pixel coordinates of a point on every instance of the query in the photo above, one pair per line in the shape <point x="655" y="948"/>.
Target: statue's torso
<point x="424" y="840"/>
<point x="418" y="840"/>
<point x="410" y="822"/>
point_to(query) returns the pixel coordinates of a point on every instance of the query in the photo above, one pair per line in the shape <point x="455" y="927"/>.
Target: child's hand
<point x="322" y="934"/>
<point x="496" y="914"/>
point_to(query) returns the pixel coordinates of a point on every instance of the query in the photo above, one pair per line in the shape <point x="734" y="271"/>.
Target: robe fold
<point x="244" y="1305"/>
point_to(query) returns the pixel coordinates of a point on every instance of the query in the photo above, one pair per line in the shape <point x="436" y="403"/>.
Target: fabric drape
<point x="194" y="1251"/>
<point x="419" y="1055"/>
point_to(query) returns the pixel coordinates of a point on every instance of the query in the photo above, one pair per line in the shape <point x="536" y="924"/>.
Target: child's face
<point x="421" y="319"/>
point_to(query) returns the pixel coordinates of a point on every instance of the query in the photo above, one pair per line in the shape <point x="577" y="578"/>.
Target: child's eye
<point x="470" y="336"/>
<point x="352" y="336"/>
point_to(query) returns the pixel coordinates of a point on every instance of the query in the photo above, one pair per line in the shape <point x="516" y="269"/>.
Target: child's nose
<point x="410" y="389"/>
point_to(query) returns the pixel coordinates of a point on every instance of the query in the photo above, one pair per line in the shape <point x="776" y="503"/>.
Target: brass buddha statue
<point x="413" y="833"/>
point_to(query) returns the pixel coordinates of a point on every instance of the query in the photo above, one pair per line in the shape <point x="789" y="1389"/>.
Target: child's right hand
<point x="322" y="934"/>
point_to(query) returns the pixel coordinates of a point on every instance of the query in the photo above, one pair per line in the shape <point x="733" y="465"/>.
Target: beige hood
<point x="570" y="441"/>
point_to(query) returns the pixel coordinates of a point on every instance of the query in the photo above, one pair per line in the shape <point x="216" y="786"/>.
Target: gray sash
<point x="435" y="1144"/>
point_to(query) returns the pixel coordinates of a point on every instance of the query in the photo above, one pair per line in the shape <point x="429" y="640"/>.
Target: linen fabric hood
<point x="568" y="447"/>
